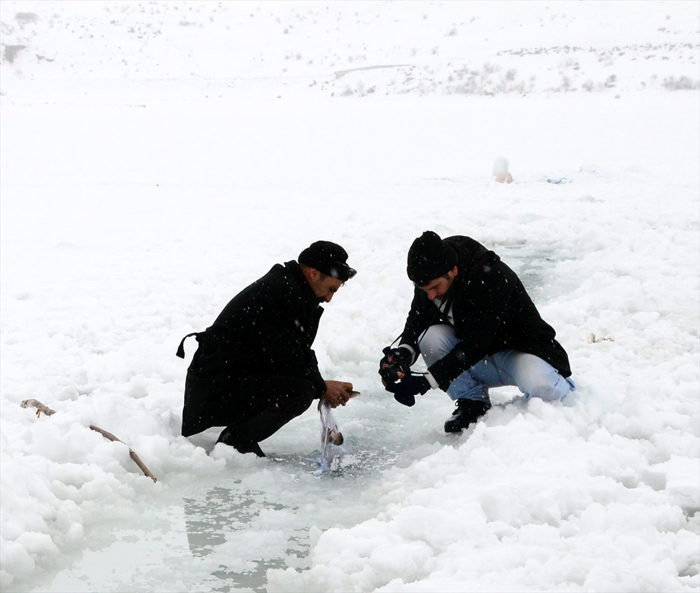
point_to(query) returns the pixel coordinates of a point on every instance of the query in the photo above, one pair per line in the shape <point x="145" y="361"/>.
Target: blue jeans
<point x="532" y="375"/>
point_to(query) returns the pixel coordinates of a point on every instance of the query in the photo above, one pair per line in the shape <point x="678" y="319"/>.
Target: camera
<point x="389" y="372"/>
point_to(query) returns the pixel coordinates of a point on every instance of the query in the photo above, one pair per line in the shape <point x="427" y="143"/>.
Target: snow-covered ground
<point x="159" y="156"/>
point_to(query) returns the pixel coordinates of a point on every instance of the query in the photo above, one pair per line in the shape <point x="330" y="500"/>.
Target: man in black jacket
<point x="254" y="369"/>
<point x="476" y="327"/>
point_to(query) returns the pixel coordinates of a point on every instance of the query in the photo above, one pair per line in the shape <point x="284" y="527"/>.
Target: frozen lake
<point x="159" y="157"/>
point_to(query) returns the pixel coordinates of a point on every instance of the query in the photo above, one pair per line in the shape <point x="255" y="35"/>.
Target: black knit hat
<point x="328" y="258"/>
<point x="428" y="258"/>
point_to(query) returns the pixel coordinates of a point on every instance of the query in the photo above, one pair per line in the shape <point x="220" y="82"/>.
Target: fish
<point x="331" y="438"/>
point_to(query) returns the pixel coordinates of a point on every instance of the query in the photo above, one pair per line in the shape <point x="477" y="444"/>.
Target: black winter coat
<point x="492" y="312"/>
<point x="265" y="330"/>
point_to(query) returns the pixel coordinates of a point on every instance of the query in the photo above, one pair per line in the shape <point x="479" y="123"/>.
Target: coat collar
<point x="307" y="293"/>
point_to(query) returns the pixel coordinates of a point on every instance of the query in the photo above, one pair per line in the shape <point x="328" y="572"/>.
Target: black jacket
<point x="267" y="329"/>
<point x="492" y="312"/>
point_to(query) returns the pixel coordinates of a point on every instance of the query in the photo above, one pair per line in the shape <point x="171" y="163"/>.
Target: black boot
<point x="467" y="412"/>
<point x="229" y="437"/>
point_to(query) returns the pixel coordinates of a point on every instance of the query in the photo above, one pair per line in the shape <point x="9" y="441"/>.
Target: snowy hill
<point x="357" y="49"/>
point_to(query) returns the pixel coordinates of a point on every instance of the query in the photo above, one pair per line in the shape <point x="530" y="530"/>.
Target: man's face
<point x="437" y="289"/>
<point x="325" y="287"/>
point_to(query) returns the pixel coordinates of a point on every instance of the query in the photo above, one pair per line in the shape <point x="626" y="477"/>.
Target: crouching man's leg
<point x="279" y="400"/>
<point x="470" y="391"/>
<point x="533" y="376"/>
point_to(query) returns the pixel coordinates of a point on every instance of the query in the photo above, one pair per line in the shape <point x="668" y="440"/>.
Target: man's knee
<point x="437" y="342"/>
<point x="552" y="391"/>
<point x="547" y="393"/>
<point x="293" y="394"/>
<point x="304" y="401"/>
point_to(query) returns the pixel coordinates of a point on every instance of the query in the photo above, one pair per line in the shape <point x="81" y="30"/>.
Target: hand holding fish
<point x="338" y="393"/>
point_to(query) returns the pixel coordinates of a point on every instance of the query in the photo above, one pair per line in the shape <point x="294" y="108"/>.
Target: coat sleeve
<point x="284" y="336"/>
<point x="420" y="317"/>
<point x="479" y="312"/>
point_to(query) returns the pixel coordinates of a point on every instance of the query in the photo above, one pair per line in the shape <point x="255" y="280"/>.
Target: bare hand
<point x="337" y="393"/>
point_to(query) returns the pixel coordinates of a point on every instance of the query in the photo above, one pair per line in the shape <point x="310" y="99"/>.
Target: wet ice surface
<point x="223" y="532"/>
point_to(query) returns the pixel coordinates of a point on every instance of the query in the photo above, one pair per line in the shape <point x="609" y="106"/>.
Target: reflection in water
<point x="227" y="525"/>
<point x="206" y="520"/>
<point x="219" y="512"/>
<point x="223" y="532"/>
<point x="254" y="579"/>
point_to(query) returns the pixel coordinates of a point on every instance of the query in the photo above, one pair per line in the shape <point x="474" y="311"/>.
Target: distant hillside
<point x="358" y="48"/>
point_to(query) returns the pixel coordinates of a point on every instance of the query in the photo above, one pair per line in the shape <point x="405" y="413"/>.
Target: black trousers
<point x="278" y="400"/>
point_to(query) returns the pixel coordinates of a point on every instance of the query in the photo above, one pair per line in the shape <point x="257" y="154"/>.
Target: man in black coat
<point x="476" y="327"/>
<point x="254" y="369"/>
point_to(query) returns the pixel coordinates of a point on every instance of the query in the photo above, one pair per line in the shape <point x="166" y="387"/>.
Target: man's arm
<point x="420" y="316"/>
